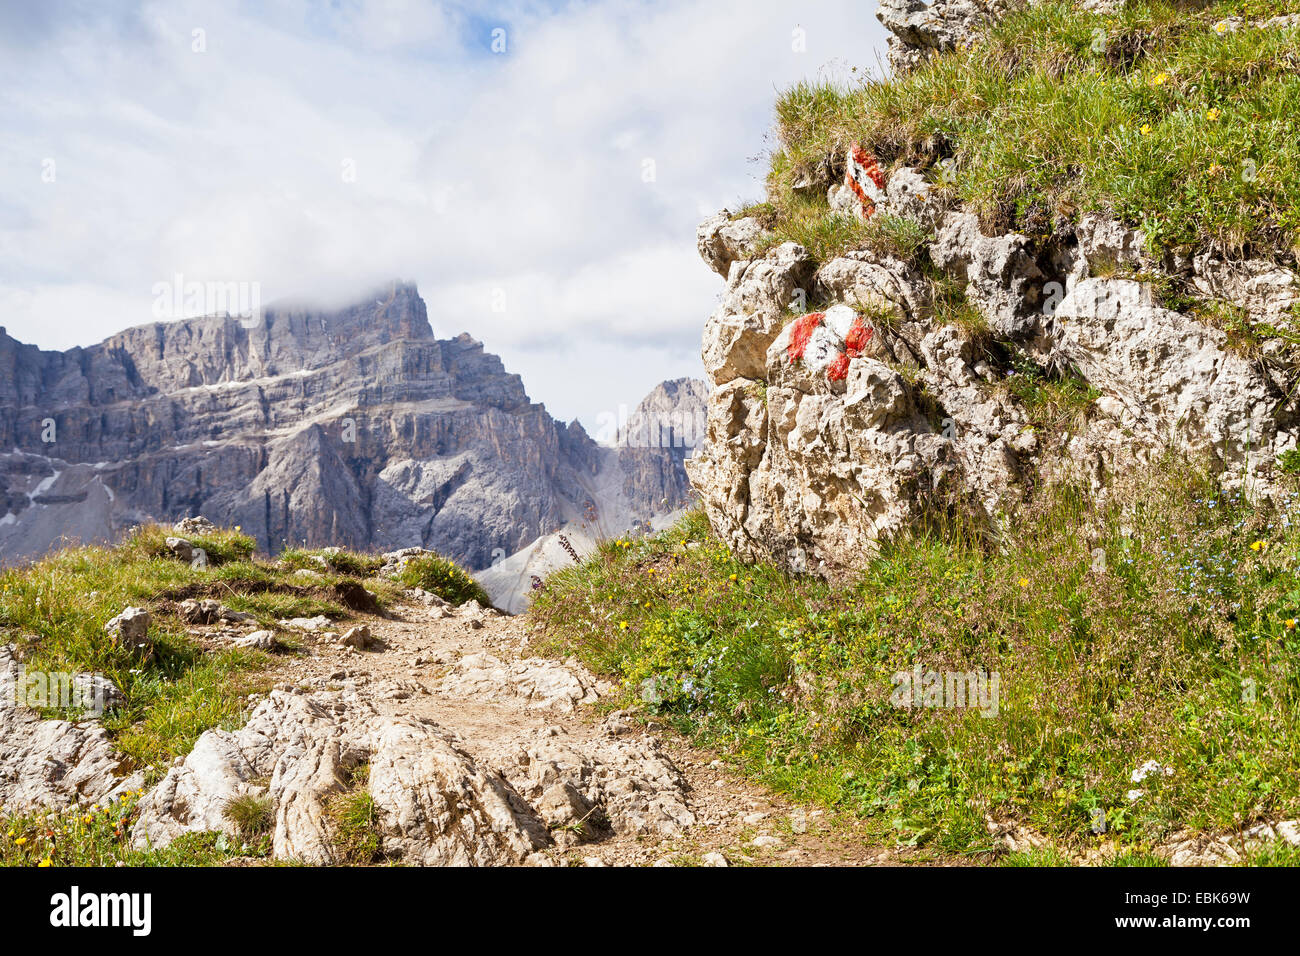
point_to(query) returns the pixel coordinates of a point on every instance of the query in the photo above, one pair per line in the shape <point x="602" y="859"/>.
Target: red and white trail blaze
<point x="865" y="178"/>
<point x="829" y="340"/>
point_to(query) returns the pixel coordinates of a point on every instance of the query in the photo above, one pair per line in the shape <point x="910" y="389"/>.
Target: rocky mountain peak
<point x="351" y="426"/>
<point x="672" y="415"/>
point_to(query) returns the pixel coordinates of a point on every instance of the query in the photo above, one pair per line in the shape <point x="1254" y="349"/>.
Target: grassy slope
<point x="1182" y="650"/>
<point x="1155" y="124"/>
<point x="55" y="610"/>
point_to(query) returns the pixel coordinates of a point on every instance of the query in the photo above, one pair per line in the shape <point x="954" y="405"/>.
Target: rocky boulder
<point x="131" y="628"/>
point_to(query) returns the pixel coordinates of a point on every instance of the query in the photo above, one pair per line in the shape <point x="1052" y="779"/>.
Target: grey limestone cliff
<point x="352" y="426"/>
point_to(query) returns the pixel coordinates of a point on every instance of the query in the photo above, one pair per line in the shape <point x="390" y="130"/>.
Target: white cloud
<point x="473" y="171"/>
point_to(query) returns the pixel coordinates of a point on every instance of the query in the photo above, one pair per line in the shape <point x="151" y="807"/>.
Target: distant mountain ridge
<point x="353" y="426"/>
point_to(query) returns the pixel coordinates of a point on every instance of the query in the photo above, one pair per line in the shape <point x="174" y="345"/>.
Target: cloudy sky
<point x="537" y="168"/>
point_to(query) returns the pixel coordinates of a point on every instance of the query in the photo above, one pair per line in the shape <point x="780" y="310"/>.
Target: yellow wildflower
<point x="1213" y="114"/>
<point x="1290" y="624"/>
<point x="1024" y="582"/>
<point x="20" y="841"/>
<point x="622" y="625"/>
<point x="1259" y="546"/>
<point x="1160" y="79"/>
<point x="1146" y="129"/>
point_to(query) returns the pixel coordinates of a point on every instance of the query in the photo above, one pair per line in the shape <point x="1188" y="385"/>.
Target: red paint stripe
<point x="858" y="337"/>
<point x="870" y="166"/>
<point x="839" y="368"/>
<point x="803" y="330"/>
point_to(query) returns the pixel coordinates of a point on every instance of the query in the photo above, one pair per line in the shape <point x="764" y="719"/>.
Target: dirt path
<point x="470" y="672"/>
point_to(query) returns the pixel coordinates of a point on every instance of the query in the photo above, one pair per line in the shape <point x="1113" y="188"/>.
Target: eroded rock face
<point x="1169" y="372"/>
<point x="722" y="240"/>
<point x="545" y="685"/>
<point x="872" y="416"/>
<point x="437" y="808"/>
<point x="296" y="753"/>
<point x="1264" y="290"/>
<point x="624" y="785"/>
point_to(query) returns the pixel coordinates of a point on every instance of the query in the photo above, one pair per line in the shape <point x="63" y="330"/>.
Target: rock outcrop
<point x="831" y="430"/>
<point x="920" y="28"/>
<point x="436" y="803"/>
<point x="352" y="427"/>
<point x="49" y="764"/>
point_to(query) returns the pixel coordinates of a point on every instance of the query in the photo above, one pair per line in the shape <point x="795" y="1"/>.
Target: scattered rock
<point x="714" y="859"/>
<point x="197" y="526"/>
<point x="209" y="611"/>
<point x="1014" y="837"/>
<point x="131" y="627"/>
<point x="199" y="612"/>
<point x="358" y="637"/>
<point x="1201" y="850"/>
<point x="318" y="623"/>
<point x="1289" y="830"/>
<point x="562" y="805"/>
<point x="427" y="598"/>
<point x="258" y="640"/>
<point x="98" y="693"/>
<point x="181" y="548"/>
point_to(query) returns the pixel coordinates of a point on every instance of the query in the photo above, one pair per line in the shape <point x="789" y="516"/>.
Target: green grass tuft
<point x="353" y="563"/>
<point x="355" y="819"/>
<point x="252" y="814"/>
<point x="444" y="578"/>
<point x="100" y="835"/>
